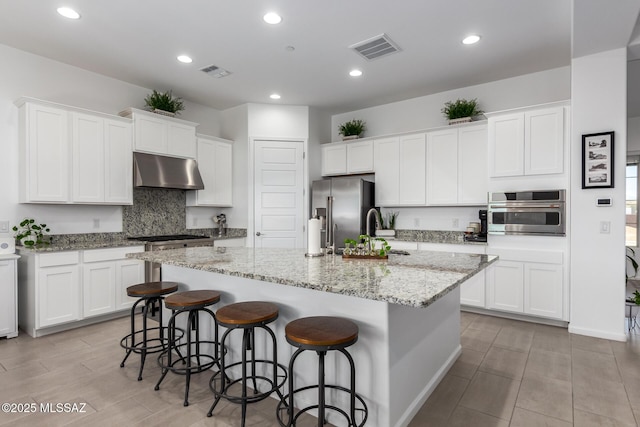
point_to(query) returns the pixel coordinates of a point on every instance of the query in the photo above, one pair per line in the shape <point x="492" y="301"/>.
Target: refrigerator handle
<point x="330" y="234"/>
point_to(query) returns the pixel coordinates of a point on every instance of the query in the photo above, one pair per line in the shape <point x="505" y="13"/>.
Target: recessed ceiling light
<point x="471" y="39"/>
<point x="272" y="18"/>
<point x="67" y="12"/>
<point x="186" y="59"/>
<point x="274" y="96"/>
<point x="355" y="73"/>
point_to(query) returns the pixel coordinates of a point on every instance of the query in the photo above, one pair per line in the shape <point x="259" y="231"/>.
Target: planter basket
<point x="460" y="120"/>
<point x="350" y="137"/>
<point x="385" y="233"/>
<point x="164" y="113"/>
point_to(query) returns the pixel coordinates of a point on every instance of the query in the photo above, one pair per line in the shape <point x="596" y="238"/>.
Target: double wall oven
<point x="153" y="271"/>
<point x="540" y="212"/>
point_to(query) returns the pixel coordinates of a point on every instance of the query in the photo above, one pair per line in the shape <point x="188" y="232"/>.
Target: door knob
<point x="258" y="233"/>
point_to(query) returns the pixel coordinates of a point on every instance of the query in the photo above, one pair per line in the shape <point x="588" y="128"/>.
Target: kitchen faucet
<point x="376" y="215"/>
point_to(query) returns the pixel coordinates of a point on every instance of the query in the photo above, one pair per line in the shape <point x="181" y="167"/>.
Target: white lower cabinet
<point x="527" y="282"/>
<point x="60" y="288"/>
<point x="8" y="296"/>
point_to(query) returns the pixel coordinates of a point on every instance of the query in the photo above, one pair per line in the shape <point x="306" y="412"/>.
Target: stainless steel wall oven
<point x="539" y="212"/>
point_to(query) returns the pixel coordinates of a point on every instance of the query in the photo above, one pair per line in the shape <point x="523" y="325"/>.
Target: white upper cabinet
<point x="334" y="159"/>
<point x="44" y="154"/>
<point x="387" y="168"/>
<point x="412" y="173"/>
<point x="156" y="134"/>
<point x="360" y="157"/>
<point x="527" y="143"/>
<point x="457" y="166"/>
<point x="70" y="155"/>
<point x="215" y="159"/>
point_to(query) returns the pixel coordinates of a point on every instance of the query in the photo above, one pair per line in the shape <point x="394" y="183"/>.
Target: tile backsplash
<point x="155" y="211"/>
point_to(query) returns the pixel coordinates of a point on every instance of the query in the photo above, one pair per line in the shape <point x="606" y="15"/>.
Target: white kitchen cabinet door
<point x="44" y="154"/>
<point x="215" y="162"/>
<point x="473" y="175"/>
<point x="9" y="298"/>
<point x="98" y="288"/>
<point x="544" y="141"/>
<point x="128" y="272"/>
<point x="360" y="157"/>
<point x="412" y="170"/>
<point x="334" y="159"/>
<point x="472" y="291"/>
<point x="543" y="291"/>
<point x="506" y="145"/>
<point x="387" y="169"/>
<point x="118" y="167"/>
<point x="442" y="167"/>
<point x="58" y="295"/>
<point x="150" y="134"/>
<point x="505" y="286"/>
<point x="88" y="173"/>
<point x="181" y="140"/>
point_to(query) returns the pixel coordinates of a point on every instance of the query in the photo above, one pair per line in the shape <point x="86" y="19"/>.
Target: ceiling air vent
<point x="215" y="71"/>
<point x="376" y="47"/>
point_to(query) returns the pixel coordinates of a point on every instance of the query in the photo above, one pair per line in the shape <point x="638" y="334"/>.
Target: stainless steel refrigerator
<point x="352" y="199"/>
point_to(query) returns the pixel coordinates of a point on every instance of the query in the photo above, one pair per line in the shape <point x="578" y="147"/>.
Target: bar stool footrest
<point x="197" y="368"/>
<point x="282" y="406"/>
<point x="138" y="347"/>
<point x="256" y="397"/>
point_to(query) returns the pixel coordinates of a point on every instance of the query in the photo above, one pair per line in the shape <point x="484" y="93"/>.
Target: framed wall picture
<point x="597" y="160"/>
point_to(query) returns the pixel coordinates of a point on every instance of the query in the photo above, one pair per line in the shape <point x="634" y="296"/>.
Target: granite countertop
<point x="415" y="280"/>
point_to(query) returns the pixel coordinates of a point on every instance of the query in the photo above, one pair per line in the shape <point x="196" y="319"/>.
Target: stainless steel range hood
<point x="153" y="170"/>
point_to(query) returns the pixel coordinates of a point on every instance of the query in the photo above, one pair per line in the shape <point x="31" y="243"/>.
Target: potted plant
<point x="631" y="260"/>
<point x="388" y="223"/>
<point x="461" y="110"/>
<point x="367" y="249"/>
<point x="30" y="233"/>
<point x="164" y="103"/>
<point x="351" y="129"/>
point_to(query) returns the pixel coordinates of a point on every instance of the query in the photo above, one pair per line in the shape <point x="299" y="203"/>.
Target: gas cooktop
<point x="168" y="238"/>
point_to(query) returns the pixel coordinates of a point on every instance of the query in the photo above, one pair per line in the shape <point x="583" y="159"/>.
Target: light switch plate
<point x="4" y="226"/>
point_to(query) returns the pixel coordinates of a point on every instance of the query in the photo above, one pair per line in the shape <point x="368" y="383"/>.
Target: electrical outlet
<point x="455" y="223"/>
<point x="4" y="226"/>
<point x="416" y="222"/>
<point x="194" y="221"/>
<point x="96" y="223"/>
<point x="605" y="227"/>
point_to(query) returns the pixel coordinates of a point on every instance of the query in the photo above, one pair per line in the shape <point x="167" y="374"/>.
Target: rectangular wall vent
<point x="375" y="47"/>
<point x="215" y="71"/>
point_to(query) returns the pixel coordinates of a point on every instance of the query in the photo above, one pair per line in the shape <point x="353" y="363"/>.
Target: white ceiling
<point x="137" y="41"/>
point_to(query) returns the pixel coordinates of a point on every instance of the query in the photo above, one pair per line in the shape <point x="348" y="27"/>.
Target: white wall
<point x="278" y="121"/>
<point x="25" y="74"/>
<point x="598" y="260"/>
<point x="435" y="218"/>
<point x="425" y="112"/>
<point x="235" y="126"/>
<point x="633" y="135"/>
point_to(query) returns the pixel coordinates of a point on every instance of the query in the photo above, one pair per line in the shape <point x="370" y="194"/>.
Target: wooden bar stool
<point x="196" y="360"/>
<point x="322" y="334"/>
<point x="248" y="316"/>
<point x="150" y="295"/>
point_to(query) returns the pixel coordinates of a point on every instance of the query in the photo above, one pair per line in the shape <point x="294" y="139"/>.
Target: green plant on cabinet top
<point x="352" y="128"/>
<point x="461" y="108"/>
<point x="164" y="101"/>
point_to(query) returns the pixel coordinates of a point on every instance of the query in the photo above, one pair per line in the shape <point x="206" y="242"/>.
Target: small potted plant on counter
<point x="388" y="225"/>
<point x="461" y="110"/>
<point x="367" y="248"/>
<point x="164" y="103"/>
<point x="351" y="129"/>
<point x="31" y="234"/>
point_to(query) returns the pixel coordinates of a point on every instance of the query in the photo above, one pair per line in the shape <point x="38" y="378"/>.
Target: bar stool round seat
<point x="196" y="358"/>
<point x="149" y="294"/>
<point x="247" y="317"/>
<point x="322" y="334"/>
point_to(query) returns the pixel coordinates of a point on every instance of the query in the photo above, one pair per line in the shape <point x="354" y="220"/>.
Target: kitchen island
<point x="407" y="309"/>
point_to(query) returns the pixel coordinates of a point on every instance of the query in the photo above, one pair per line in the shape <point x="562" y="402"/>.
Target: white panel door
<point x="505" y="286"/>
<point x="98" y="288"/>
<point x="412" y="170"/>
<point x="543" y="290"/>
<point x="442" y="167"/>
<point x="88" y="158"/>
<point x="118" y="166"/>
<point x="506" y="145"/>
<point x="278" y="198"/>
<point x="473" y="175"/>
<point x="544" y="141"/>
<point x="387" y="169"/>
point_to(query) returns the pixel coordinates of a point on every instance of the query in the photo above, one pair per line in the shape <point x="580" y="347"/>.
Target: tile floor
<point x="510" y="373"/>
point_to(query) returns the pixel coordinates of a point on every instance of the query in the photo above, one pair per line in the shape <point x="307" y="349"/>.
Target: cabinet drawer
<point x="109" y="254"/>
<point x="58" y="258"/>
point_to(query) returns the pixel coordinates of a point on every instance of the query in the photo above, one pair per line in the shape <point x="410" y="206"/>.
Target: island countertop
<point x="415" y="280"/>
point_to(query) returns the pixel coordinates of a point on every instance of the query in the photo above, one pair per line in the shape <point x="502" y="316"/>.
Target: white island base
<point x="402" y="353"/>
